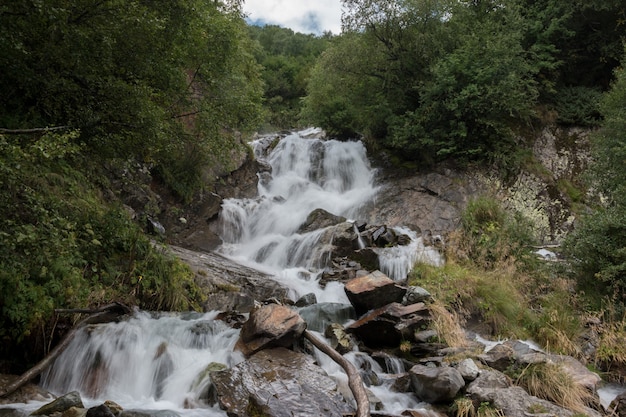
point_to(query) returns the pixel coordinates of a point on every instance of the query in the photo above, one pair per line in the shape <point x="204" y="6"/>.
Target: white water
<point x="306" y="174"/>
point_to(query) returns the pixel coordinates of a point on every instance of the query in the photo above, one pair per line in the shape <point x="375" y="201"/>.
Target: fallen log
<point x="106" y="313"/>
<point x="355" y="382"/>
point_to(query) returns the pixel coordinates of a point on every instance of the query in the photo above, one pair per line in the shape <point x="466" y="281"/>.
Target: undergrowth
<point x="491" y="276"/>
<point x="65" y="246"/>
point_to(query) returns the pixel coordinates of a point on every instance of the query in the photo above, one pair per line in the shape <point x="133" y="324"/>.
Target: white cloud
<point x="305" y="16"/>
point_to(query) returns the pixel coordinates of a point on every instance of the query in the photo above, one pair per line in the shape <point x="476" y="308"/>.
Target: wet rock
<point x="373" y="291"/>
<point x="278" y="383"/>
<point x="436" y="384"/>
<point x="202" y="386"/>
<point x="26" y="393"/>
<point x="306" y="300"/>
<point x="154" y="227"/>
<point x="229" y="286"/>
<point x="320" y="219"/>
<point x="76" y="412"/>
<point x="321" y="315"/>
<point x="339" y="339"/>
<point x="61" y="404"/>
<point x="149" y="413"/>
<point x="271" y="325"/>
<point x="618" y="406"/>
<point x="100" y="411"/>
<point x="389" y="325"/>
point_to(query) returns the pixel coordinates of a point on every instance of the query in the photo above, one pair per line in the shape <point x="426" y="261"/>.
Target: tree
<point x="599" y="242"/>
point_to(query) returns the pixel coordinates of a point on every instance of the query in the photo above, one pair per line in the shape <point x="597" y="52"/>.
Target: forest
<point x="178" y="86"/>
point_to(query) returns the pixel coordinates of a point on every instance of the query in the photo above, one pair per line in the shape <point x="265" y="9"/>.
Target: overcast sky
<point x="305" y="16"/>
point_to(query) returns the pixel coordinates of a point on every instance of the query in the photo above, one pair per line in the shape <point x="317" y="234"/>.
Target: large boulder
<point x="373" y="291"/>
<point x="436" y="384"/>
<point x="389" y="325"/>
<point x="229" y="286"/>
<point x="61" y="404"/>
<point x="495" y="388"/>
<point x="278" y="383"/>
<point x="319" y="219"/>
<point x="272" y="325"/>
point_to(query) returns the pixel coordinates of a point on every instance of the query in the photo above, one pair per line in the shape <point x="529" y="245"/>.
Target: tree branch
<point x="354" y="378"/>
<point x="97" y="315"/>
<point x="33" y="130"/>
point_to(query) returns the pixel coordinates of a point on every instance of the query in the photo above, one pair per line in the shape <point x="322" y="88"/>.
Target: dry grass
<point x="463" y="407"/>
<point x="447" y="325"/>
<point x="550" y="382"/>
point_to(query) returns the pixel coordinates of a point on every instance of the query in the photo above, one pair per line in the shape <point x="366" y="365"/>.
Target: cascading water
<point x="160" y="362"/>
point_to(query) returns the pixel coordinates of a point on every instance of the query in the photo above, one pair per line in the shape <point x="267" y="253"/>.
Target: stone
<point x="415" y="294"/>
<point x="436" y="384"/>
<point x="270" y="325"/>
<point x="100" y="411"/>
<point x="373" y="291"/>
<point x="76" y="412"/>
<point x="468" y="369"/>
<point x="339" y="339"/>
<point x="389" y="325"/>
<point x="278" y="383"/>
<point x="320" y="219"/>
<point x="61" y="404"/>
<point x="321" y="315"/>
<point x="306" y="300"/>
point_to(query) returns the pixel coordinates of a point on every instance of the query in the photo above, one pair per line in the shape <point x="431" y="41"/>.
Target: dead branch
<point x="354" y="378"/>
<point x="33" y="130"/>
<point x="98" y="315"/>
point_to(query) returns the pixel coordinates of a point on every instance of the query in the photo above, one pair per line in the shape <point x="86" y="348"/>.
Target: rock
<point x="389" y="325"/>
<point x="271" y="325"/>
<point x="618" y="406"/>
<point x="306" y="300"/>
<point x="468" y="369"/>
<point x="61" y="404"/>
<point x="26" y="393"/>
<point x="154" y="227"/>
<point x="340" y="340"/>
<point x="319" y="219"/>
<point x="373" y="291"/>
<point x="76" y="412"/>
<point x="415" y="294"/>
<point x="495" y="388"/>
<point x="149" y="413"/>
<point x="229" y="286"/>
<point x="500" y="357"/>
<point x="100" y="411"/>
<point x="436" y="384"/>
<point x="278" y="383"/>
<point x="321" y="315"/>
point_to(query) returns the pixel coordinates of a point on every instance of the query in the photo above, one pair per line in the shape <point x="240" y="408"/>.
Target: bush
<point x="491" y="235"/>
<point x="579" y="106"/>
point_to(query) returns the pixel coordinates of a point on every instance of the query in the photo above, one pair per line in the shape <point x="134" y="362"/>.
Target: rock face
<point x="276" y="383"/>
<point x="229" y="286"/>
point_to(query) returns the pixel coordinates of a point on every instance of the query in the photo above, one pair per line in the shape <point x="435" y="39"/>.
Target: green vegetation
<point x="434" y="80"/>
<point x="166" y="85"/>
<point x="286" y="58"/>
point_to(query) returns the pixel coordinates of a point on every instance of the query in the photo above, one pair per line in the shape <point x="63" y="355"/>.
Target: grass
<point x="550" y="382"/>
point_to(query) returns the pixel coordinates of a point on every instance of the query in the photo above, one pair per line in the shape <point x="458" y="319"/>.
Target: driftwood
<point x="106" y="313"/>
<point x="354" y="378"/>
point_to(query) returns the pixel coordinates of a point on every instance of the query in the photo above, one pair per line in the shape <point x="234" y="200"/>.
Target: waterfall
<point x="160" y="361"/>
<point x="148" y="361"/>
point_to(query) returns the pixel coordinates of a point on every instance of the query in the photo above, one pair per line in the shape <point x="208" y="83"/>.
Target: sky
<point x="305" y="16"/>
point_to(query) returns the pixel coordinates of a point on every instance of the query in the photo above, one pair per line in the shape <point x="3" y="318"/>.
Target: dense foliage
<point x="169" y="84"/>
<point x="433" y="80"/>
<point x="286" y="59"/>
<point x="599" y="243"/>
